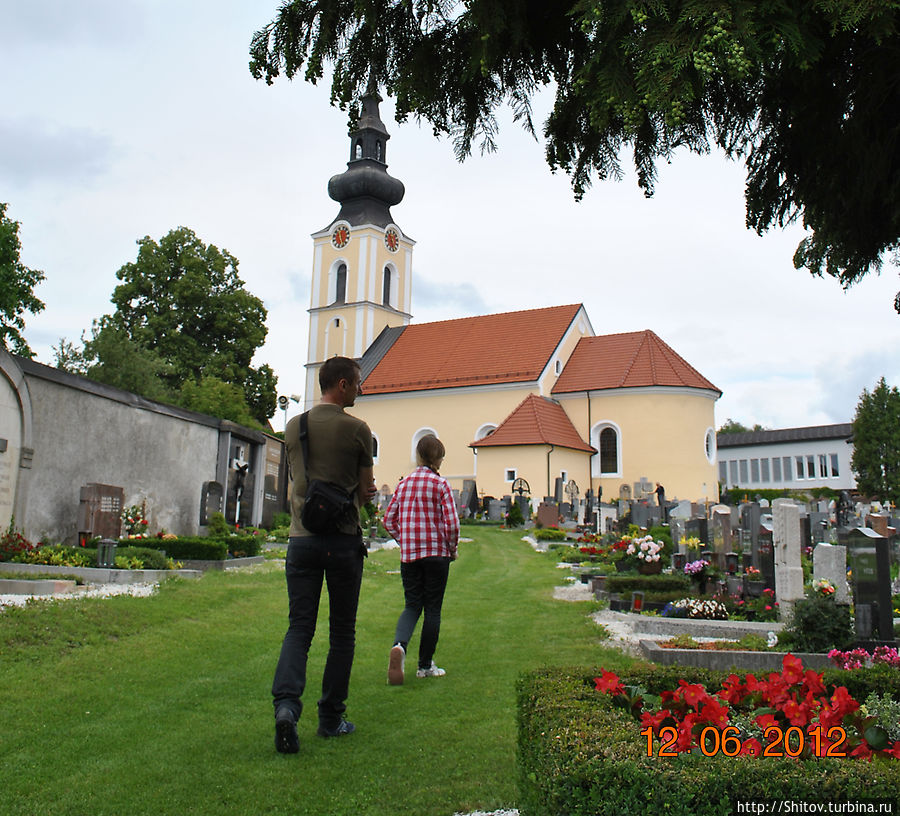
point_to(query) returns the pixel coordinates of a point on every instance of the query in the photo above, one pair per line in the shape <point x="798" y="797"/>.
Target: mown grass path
<point x="161" y="705"/>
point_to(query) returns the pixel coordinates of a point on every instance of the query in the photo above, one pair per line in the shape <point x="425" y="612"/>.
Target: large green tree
<point x="17" y="284"/>
<point x="805" y="91"/>
<point x="876" y="442"/>
<point x="183" y="316"/>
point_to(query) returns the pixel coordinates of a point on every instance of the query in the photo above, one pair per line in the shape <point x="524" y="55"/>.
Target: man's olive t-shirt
<point x="339" y="445"/>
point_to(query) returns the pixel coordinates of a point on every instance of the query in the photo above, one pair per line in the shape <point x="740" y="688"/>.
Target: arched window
<point x="378" y="150"/>
<point x="606" y="438"/>
<point x="485" y="430"/>
<point x="358" y="150"/>
<point x="340" y="289"/>
<point x="415" y="440"/>
<point x="386" y="287"/>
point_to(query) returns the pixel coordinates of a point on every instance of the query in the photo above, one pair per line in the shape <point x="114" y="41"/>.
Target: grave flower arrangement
<point x="691" y="542"/>
<point x="753" y="574"/>
<point x="696" y="609"/>
<point x="789" y="714"/>
<point x="133" y="522"/>
<point x="823" y="587"/>
<point x="762" y="608"/>
<point x="13" y="545"/>
<point x="645" y="548"/>
<point x="696" y="568"/>
<point x="860" y="658"/>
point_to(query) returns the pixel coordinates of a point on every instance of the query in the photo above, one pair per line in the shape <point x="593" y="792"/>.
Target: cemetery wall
<point x="82" y="437"/>
<point x="662" y="436"/>
<point x="15" y="436"/>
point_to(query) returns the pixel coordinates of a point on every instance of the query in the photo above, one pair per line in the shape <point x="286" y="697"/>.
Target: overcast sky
<point x="126" y="118"/>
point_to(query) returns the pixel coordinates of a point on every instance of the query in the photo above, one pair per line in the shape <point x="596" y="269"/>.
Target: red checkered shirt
<point x="422" y="516"/>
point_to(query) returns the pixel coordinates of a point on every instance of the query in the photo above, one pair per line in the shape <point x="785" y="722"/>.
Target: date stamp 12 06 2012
<point x="779" y="742"/>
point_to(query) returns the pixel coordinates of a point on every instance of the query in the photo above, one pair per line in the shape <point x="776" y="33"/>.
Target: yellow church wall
<point x="581" y="327"/>
<point x="662" y="436"/>
<point x="456" y="415"/>
<point x="530" y="463"/>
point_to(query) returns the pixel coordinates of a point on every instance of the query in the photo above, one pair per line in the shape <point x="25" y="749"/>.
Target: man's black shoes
<point x="286" y="741"/>
<point x="342" y="730"/>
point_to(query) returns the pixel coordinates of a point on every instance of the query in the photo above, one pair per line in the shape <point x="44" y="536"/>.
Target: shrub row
<point x="581" y="756"/>
<point x="188" y="547"/>
<point x="648" y="583"/>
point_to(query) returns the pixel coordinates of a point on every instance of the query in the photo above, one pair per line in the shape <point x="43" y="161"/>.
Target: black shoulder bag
<point x="326" y="503"/>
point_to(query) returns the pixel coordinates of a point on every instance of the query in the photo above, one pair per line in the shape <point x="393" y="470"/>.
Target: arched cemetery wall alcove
<point x="16" y="440"/>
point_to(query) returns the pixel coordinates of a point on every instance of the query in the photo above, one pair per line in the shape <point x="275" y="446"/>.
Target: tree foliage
<point x="876" y="442"/>
<point x="17" y="284"/>
<point x="184" y="328"/>
<point x="732" y="426"/>
<point x="806" y="93"/>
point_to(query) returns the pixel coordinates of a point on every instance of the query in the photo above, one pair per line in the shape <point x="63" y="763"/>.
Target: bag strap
<point x="304" y="442"/>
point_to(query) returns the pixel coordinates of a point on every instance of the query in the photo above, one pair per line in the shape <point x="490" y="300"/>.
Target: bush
<point x="655" y="583"/>
<point x="244" y="546"/>
<point x="580" y="755"/>
<point x="817" y="624"/>
<point x="514" y="517"/>
<point x="57" y="555"/>
<point x="280" y="520"/>
<point x="190" y="547"/>
<point x="549" y="534"/>
<point x="218" y="527"/>
<point x="145" y="557"/>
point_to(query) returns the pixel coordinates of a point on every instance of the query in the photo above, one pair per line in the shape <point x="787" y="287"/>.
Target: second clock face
<point x="340" y="237"/>
<point x="391" y="239"/>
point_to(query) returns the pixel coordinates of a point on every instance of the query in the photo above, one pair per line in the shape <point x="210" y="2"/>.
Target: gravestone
<point x="558" y="489"/>
<point x="752" y="520"/>
<point x="806" y="540"/>
<point x="640" y="514"/>
<point x="879" y="522"/>
<point x="525" y="506"/>
<point x="457" y="501"/>
<point x="721" y="528"/>
<point x="870" y="569"/>
<point x="469" y="496"/>
<point x="565" y="510"/>
<point x="211" y="501"/>
<point x="625" y="492"/>
<point x="787" y="545"/>
<point x="495" y="510"/>
<point x="766" y="554"/>
<point x="100" y="511"/>
<point x="682" y="510"/>
<point x="818" y="523"/>
<point x="697" y="528"/>
<point x="548" y="514"/>
<point x="830" y="564"/>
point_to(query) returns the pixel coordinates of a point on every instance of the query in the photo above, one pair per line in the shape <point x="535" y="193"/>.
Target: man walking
<point x="340" y="452"/>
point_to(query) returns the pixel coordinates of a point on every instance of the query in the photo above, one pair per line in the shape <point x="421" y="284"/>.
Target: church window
<point x="386" y="288"/>
<point x="510" y="475"/>
<point x="558" y="366"/>
<point x="337" y="322"/>
<point x="709" y="445"/>
<point x="340" y="291"/>
<point x="378" y="150"/>
<point x="485" y="430"/>
<point x="415" y="440"/>
<point x="358" y="153"/>
<point x="605" y="437"/>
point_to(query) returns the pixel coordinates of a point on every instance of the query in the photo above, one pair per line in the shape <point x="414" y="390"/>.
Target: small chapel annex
<point x="531" y="395"/>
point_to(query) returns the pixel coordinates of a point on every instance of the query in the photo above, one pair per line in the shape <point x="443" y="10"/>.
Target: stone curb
<point x="13" y="586"/>
<point x="728" y="660"/>
<point x="96" y="575"/>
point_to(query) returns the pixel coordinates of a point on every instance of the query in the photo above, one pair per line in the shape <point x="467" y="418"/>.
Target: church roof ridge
<point x="536" y="420"/>
<point x="503" y="347"/>
<point x="627" y="360"/>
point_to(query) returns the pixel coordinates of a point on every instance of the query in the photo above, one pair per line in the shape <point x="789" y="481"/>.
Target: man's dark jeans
<point x="338" y="559"/>
<point x="424" y="582"/>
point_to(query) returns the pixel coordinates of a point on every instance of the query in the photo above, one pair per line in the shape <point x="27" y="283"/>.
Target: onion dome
<point x="364" y="190"/>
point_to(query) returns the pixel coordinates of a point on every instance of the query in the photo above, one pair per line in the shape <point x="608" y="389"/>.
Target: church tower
<point x="362" y="261"/>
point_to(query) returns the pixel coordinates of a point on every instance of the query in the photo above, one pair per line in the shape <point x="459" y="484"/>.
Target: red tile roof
<point x="498" y="348"/>
<point x="536" y="421"/>
<point x="628" y="360"/>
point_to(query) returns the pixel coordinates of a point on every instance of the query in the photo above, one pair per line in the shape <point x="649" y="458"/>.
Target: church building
<point x="532" y="395"/>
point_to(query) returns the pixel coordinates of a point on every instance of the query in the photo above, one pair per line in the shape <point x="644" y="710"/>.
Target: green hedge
<point x="181" y="549"/>
<point x="549" y="534"/>
<point x="580" y="756"/>
<point x="648" y="583"/>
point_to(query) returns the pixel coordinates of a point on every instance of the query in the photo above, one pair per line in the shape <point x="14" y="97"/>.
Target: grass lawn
<point x="161" y="705"/>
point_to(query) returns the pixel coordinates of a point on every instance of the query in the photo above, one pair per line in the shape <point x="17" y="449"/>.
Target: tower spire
<point x="365" y="190"/>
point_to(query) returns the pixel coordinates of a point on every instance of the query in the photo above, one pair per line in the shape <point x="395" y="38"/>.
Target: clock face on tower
<point x="341" y="236"/>
<point x="391" y="239"/>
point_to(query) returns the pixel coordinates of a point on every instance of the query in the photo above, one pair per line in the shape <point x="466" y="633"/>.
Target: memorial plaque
<point x="210" y="501"/>
<point x="100" y="511"/>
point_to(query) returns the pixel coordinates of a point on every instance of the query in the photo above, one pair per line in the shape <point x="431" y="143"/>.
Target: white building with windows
<point x="793" y="458"/>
